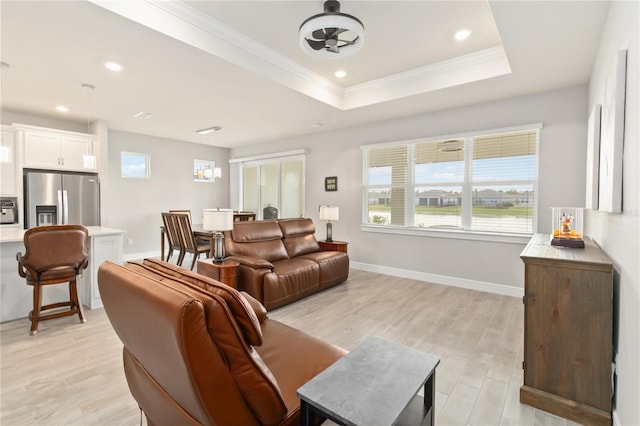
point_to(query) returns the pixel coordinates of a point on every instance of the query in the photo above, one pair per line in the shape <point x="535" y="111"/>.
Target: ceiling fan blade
<point x="315" y="44"/>
<point x="318" y="34"/>
<point x="347" y="42"/>
<point x="330" y="32"/>
<point x="333" y="49"/>
<point x="339" y="31"/>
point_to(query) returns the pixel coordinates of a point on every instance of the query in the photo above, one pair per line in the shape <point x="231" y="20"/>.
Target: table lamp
<point x="217" y="220"/>
<point x="329" y="213"/>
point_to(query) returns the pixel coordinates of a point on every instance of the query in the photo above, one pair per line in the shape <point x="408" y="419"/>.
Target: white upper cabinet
<point x="8" y="162"/>
<point x="59" y="150"/>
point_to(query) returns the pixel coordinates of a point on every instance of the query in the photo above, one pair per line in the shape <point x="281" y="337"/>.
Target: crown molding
<point x="475" y="66"/>
<point x="188" y="25"/>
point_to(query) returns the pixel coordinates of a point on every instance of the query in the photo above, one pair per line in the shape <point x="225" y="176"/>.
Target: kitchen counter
<point x="16" y="297"/>
<point x="11" y="235"/>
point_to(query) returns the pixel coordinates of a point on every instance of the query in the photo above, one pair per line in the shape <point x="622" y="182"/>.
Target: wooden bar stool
<point x="54" y="255"/>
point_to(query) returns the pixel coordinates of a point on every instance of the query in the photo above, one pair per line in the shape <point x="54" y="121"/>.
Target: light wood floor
<point x="71" y="373"/>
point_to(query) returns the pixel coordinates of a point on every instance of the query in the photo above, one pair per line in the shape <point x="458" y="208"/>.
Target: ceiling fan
<point x="332" y="34"/>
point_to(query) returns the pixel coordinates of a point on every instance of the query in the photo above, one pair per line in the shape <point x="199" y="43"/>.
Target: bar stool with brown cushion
<point x="55" y="254"/>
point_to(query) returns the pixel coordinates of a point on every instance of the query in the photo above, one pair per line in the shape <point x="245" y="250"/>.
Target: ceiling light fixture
<point x="142" y="114"/>
<point x="62" y="108"/>
<point x="331" y="34"/>
<point x="113" y="66"/>
<point x="209" y="130"/>
<point x="340" y="74"/>
<point x="462" y="34"/>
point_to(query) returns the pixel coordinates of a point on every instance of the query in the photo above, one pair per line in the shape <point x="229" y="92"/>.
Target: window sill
<point x="449" y="233"/>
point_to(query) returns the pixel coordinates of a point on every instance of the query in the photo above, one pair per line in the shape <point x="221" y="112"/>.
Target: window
<point x="204" y="171"/>
<point x="483" y="182"/>
<point x="273" y="187"/>
<point x="134" y="165"/>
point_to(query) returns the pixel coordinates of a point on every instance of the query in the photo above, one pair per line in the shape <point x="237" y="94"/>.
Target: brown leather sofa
<point x="199" y="352"/>
<point x="281" y="261"/>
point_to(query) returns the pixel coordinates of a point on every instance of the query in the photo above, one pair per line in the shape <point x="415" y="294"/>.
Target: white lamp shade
<point x="217" y="219"/>
<point x="328" y="212"/>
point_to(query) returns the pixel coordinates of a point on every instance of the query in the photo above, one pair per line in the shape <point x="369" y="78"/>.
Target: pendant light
<point x="89" y="160"/>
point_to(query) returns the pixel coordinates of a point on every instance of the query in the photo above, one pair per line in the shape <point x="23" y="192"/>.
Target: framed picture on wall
<point x="612" y="137"/>
<point x="331" y="183"/>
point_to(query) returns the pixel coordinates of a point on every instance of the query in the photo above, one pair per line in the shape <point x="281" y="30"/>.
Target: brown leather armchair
<point x="198" y="352"/>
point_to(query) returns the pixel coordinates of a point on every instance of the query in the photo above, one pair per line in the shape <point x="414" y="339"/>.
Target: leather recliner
<point x="199" y="352"/>
<point x="281" y="261"/>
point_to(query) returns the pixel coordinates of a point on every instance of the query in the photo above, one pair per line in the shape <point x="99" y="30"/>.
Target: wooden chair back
<point x="173" y="235"/>
<point x="187" y="212"/>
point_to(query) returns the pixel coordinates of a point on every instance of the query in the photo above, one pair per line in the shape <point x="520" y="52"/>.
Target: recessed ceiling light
<point x="462" y="34"/>
<point x="340" y="73"/>
<point x="209" y="130"/>
<point x="317" y="125"/>
<point x="113" y="66"/>
<point x="62" y="108"/>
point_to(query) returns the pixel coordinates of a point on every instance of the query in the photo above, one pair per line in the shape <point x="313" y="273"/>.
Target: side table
<point x="375" y="384"/>
<point x="333" y="246"/>
<point x="225" y="271"/>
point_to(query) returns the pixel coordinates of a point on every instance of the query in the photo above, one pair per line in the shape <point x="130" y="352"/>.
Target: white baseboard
<point x="615" y="418"/>
<point x="441" y="279"/>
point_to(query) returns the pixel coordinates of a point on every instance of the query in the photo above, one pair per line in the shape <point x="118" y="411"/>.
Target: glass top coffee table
<point x="376" y="384"/>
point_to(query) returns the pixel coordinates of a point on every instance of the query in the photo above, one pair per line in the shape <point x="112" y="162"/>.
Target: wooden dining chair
<point x="172" y="232"/>
<point x="182" y="212"/>
<point x="188" y="240"/>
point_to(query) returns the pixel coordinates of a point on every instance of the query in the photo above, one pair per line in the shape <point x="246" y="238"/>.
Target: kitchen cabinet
<point x="8" y="162"/>
<point x="103" y="248"/>
<point x="568" y="330"/>
<point x="59" y="150"/>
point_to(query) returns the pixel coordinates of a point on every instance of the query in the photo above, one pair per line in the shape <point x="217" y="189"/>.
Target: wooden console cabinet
<point x="568" y="330"/>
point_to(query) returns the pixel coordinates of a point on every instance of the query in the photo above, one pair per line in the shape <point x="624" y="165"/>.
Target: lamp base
<point x="329" y="232"/>
<point x="218" y="247"/>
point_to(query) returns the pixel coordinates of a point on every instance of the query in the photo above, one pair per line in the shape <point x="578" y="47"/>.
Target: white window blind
<point x="482" y="182"/>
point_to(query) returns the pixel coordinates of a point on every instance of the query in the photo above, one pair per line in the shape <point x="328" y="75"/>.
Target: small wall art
<point x="331" y="183"/>
<point x="612" y="137"/>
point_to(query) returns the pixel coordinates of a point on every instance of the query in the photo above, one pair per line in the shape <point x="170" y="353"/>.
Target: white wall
<point x="10" y="117"/>
<point x="135" y="204"/>
<point x="563" y="114"/>
<point x="619" y="234"/>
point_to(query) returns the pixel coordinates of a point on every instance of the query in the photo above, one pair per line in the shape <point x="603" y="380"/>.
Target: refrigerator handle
<point x="65" y="207"/>
<point x="60" y="208"/>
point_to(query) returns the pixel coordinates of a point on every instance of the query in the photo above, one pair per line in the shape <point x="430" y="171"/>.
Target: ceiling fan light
<point x="335" y="20"/>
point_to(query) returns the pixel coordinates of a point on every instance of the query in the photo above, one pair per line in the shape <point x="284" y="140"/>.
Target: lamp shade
<point x="217" y="219"/>
<point x="328" y="212"/>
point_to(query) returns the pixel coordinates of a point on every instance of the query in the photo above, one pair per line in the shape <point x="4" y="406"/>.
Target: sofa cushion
<point x="307" y="356"/>
<point x="239" y="306"/>
<point x="292" y="279"/>
<point x="334" y="267"/>
<point x="299" y="236"/>
<point x="260" y="239"/>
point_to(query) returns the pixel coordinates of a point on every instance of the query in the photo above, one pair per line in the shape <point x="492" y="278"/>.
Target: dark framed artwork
<point x="331" y="183"/>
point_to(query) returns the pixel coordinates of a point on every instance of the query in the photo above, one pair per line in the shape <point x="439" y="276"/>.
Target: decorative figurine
<point x="567" y="227"/>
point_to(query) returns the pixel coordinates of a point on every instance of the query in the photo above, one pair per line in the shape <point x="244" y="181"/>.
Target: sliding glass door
<point x="274" y="188"/>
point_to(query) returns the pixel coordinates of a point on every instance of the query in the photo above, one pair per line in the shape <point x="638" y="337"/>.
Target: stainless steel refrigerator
<point x="52" y="198"/>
